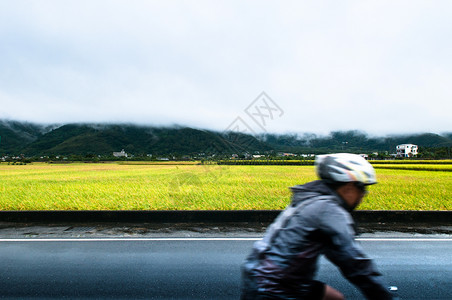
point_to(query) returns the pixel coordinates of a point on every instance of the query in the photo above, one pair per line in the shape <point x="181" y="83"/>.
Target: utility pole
<point x="344" y="144"/>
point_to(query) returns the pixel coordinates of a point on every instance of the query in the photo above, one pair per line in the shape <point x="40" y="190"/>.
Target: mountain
<point x="423" y="140"/>
<point x="448" y="135"/>
<point x="351" y="141"/>
<point x="14" y="135"/>
<point x="48" y="142"/>
<point x="104" y="139"/>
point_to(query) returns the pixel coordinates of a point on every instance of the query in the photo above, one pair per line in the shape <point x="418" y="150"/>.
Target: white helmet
<point x="345" y="167"/>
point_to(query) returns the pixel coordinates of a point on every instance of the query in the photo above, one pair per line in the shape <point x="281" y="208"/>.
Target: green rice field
<point x="114" y="186"/>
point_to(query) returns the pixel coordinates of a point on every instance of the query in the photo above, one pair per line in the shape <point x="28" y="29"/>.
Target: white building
<point x="406" y="150"/>
<point x="365" y="156"/>
<point x="120" y="154"/>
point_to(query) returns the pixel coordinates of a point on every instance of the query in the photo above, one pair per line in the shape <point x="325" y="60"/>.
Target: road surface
<point x="195" y="268"/>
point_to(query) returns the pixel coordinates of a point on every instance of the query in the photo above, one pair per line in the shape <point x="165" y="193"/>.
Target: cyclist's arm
<point x="344" y="252"/>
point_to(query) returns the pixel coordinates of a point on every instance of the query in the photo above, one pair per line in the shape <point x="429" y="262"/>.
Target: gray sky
<point x="378" y="66"/>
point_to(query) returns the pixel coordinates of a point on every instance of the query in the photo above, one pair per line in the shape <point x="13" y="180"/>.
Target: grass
<point x="412" y="162"/>
<point x="113" y="186"/>
<point x="410" y="190"/>
<point x="418" y="167"/>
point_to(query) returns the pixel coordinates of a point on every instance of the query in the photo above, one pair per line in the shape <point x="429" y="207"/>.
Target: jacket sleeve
<point x="347" y="254"/>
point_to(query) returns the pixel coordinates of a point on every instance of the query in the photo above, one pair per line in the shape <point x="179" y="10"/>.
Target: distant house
<point x="406" y="150"/>
<point x="288" y="154"/>
<point x="365" y="156"/>
<point x="120" y="154"/>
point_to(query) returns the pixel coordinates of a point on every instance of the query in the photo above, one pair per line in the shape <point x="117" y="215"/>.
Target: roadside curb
<point x="217" y="216"/>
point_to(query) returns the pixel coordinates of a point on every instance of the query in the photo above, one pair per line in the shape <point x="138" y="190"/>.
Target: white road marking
<point x="405" y="239"/>
<point x="206" y="239"/>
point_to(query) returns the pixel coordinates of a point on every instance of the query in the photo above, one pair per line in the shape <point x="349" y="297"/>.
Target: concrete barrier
<point x="217" y="216"/>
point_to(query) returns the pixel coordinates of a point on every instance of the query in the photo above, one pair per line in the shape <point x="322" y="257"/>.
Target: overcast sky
<point x="379" y="66"/>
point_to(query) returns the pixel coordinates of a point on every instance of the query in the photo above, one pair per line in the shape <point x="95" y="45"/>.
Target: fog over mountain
<point x="33" y="139"/>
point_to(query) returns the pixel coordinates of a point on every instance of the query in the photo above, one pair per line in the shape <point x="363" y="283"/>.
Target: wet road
<point x="195" y="268"/>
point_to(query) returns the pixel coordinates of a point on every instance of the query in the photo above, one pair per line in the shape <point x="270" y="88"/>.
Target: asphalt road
<point x="195" y="268"/>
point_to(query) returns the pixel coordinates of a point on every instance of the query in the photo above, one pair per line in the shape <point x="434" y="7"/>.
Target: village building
<point x="120" y="154"/>
<point x="365" y="156"/>
<point x="406" y="150"/>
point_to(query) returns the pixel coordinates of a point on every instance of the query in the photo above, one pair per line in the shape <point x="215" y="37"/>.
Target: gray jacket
<point x="284" y="262"/>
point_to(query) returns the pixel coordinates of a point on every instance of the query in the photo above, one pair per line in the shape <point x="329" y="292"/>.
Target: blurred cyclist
<point x="283" y="264"/>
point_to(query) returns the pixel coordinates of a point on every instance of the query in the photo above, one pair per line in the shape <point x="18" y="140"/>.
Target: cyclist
<point x="283" y="264"/>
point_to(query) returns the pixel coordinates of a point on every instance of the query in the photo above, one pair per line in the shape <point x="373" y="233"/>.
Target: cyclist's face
<point x="360" y="192"/>
<point x="352" y="193"/>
